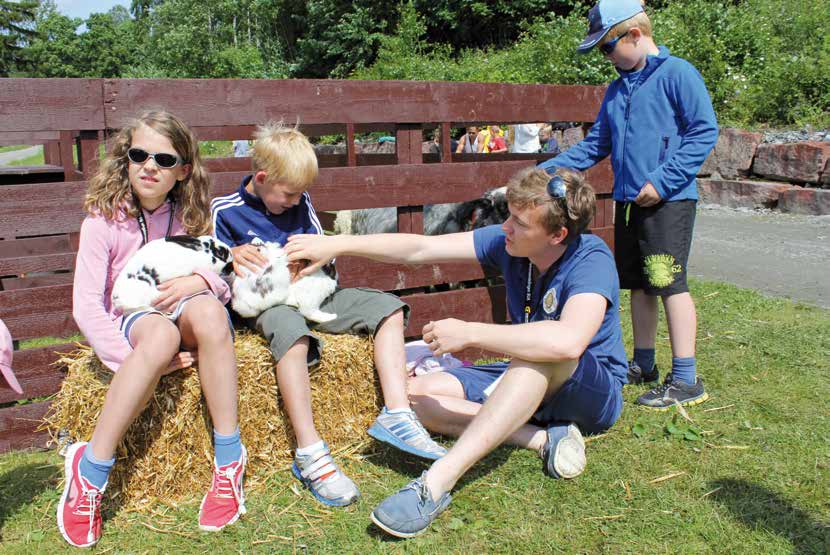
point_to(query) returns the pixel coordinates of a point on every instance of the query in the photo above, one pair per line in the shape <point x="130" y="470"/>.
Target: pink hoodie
<point x="105" y="247"/>
<point x="6" y="353"/>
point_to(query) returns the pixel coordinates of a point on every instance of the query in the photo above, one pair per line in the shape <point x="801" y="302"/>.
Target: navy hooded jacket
<point x="658" y="125"/>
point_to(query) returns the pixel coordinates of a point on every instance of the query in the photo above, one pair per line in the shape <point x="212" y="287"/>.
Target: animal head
<point x="490" y="209"/>
<point x="221" y="258"/>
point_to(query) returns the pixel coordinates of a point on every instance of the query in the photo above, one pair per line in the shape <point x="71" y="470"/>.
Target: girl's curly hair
<point x="109" y="190"/>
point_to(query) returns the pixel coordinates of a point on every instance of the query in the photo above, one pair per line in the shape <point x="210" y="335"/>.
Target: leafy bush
<point x="765" y="62"/>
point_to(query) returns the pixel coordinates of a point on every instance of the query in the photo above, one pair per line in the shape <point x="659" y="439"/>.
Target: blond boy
<point x="272" y="204"/>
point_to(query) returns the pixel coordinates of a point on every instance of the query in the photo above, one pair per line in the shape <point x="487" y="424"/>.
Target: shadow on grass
<point x="759" y="507"/>
<point x="20" y="486"/>
<point x="395" y="460"/>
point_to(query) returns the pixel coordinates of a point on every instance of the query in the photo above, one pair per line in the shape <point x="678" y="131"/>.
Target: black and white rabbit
<point x="271" y="286"/>
<point x="136" y="287"/>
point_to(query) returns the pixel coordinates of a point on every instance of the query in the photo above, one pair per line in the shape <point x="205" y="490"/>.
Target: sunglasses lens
<point x="137" y="155"/>
<point x="166" y="160"/>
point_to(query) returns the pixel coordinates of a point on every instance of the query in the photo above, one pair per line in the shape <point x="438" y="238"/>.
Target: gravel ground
<point x="781" y="255"/>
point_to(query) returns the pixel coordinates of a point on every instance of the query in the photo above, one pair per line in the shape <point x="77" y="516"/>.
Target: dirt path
<point x="11" y="156"/>
<point x="777" y="254"/>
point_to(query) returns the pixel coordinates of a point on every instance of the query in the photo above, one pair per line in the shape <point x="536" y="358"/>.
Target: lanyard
<point x="142" y="222"/>
<point x="529" y="292"/>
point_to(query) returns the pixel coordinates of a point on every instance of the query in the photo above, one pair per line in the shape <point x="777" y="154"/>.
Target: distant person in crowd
<point x="548" y="141"/>
<point x="493" y="141"/>
<point x="435" y="146"/>
<point x="240" y="148"/>
<point x="468" y="143"/>
<point x="525" y="137"/>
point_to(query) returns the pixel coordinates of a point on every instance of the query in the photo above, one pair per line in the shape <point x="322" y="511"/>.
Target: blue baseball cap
<point x="605" y="15"/>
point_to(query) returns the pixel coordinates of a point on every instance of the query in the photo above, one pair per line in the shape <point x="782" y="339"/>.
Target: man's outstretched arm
<point x="401" y="248"/>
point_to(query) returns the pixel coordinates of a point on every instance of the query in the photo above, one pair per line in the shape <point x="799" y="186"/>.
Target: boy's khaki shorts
<point x="359" y="311"/>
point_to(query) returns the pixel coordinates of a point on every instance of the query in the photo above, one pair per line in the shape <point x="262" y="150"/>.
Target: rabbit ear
<point x="186" y="241"/>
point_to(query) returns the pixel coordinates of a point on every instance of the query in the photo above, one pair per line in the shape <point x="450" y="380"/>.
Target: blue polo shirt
<point x="240" y="217"/>
<point x="586" y="267"/>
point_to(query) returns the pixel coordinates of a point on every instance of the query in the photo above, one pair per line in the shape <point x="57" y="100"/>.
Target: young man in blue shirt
<point x="657" y="124"/>
<point x="568" y="361"/>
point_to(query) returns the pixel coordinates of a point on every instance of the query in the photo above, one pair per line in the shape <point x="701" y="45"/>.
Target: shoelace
<point x="420" y="487"/>
<point x="225" y="480"/>
<point x="663" y="387"/>
<point x="92" y="498"/>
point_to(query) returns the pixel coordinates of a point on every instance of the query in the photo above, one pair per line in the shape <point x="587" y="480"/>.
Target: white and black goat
<point x="164" y="259"/>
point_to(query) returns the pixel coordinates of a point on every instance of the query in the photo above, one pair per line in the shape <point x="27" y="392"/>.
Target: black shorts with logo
<point x="651" y="245"/>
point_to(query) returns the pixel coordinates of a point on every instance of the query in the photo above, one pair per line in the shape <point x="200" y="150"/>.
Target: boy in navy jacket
<point x="657" y="123"/>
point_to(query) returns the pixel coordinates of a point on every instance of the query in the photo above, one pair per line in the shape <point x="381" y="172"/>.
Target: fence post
<point x="408" y="138"/>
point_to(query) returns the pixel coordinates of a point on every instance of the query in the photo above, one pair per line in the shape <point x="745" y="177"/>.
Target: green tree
<point x="16" y="28"/>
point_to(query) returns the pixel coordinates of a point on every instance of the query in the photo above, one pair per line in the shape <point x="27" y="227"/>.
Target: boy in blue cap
<point x="657" y="123"/>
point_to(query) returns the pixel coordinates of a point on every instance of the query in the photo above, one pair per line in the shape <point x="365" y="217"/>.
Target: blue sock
<point x="227" y="448"/>
<point x="645" y="358"/>
<point x="94" y="470"/>
<point x="684" y="369"/>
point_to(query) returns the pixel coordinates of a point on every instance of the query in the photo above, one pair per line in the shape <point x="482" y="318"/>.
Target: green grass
<point x="753" y="478"/>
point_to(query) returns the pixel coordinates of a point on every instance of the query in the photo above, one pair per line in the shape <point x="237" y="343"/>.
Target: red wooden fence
<point x="39" y="222"/>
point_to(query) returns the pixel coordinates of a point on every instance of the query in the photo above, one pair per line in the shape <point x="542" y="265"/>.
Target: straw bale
<point x="167" y="453"/>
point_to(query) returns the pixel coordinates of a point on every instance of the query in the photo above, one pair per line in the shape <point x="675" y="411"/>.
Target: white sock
<point x="310" y="449"/>
<point x="398" y="411"/>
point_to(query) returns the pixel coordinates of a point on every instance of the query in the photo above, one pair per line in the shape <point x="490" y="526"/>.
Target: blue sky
<point x="82" y="8"/>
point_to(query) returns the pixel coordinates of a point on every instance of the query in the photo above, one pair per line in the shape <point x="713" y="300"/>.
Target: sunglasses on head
<point x="162" y="159"/>
<point x="557" y="188"/>
<point x="609" y="46"/>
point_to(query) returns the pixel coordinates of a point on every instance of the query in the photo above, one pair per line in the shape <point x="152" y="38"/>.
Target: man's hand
<point x="182" y="359"/>
<point x="249" y="257"/>
<point x="176" y="289"/>
<point x="447" y="336"/>
<point x="318" y="250"/>
<point x="648" y="196"/>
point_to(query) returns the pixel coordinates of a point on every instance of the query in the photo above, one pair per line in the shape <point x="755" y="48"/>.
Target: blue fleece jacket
<point x="657" y="124"/>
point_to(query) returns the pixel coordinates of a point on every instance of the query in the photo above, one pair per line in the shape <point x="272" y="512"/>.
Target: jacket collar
<point x="251" y="200"/>
<point x="653" y="62"/>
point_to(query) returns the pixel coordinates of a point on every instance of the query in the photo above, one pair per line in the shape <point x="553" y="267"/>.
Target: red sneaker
<point x="225" y="500"/>
<point x="79" y="510"/>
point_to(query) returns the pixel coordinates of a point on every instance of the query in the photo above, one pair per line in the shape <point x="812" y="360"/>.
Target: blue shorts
<point x="128" y="321"/>
<point x="591" y="398"/>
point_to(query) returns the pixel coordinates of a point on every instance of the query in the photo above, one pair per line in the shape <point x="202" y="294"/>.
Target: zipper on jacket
<point x="663" y="150"/>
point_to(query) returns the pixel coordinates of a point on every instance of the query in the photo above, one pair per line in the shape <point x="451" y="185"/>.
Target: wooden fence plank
<point x="51" y="104"/>
<point x="18" y="425"/>
<point x="219" y="102"/>
<point x="38" y="312"/>
<point x="481" y="304"/>
<point x="36" y="372"/>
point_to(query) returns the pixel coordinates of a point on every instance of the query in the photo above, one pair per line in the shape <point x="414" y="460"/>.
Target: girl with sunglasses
<point x="150" y="185"/>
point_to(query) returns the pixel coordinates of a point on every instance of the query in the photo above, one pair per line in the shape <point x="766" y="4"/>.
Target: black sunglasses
<point x="162" y="159"/>
<point x="609" y="46"/>
<point x="557" y="188"/>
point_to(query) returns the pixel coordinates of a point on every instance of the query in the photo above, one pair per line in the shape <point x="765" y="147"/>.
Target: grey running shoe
<point x="324" y="479"/>
<point x="410" y="511"/>
<point x="404" y="431"/>
<point x="670" y="391"/>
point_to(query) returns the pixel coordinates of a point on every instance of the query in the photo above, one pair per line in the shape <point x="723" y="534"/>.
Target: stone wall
<point x="752" y="170"/>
